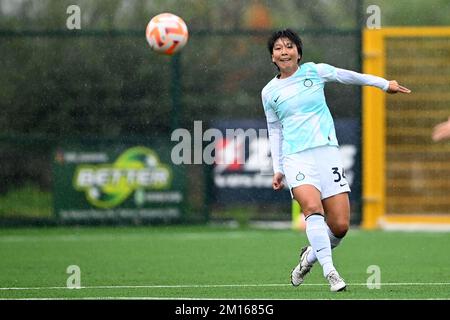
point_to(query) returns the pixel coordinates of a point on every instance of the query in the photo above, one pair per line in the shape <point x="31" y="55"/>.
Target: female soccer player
<point x="305" y="149"/>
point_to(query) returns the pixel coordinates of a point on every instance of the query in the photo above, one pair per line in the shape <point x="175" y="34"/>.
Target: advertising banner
<point x="133" y="182"/>
<point x="348" y="132"/>
<point x="246" y="175"/>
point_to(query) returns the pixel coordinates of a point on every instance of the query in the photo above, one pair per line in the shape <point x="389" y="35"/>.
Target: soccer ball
<point x="166" y="33"/>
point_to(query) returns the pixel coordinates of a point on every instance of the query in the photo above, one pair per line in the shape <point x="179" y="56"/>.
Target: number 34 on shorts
<point x="339" y="176"/>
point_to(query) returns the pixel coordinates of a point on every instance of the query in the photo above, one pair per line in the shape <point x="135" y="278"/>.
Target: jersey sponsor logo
<point x="275" y="100"/>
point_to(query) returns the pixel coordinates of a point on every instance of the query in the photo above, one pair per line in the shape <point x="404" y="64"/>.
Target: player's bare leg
<point x="337" y="211"/>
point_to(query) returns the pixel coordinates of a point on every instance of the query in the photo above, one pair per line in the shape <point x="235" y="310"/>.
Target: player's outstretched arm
<point x="394" y="87"/>
<point x="441" y="131"/>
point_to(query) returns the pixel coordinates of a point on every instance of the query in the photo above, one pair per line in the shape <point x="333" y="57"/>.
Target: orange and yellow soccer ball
<point x="166" y="33"/>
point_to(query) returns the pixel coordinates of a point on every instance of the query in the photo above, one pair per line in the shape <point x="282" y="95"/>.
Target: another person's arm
<point x="441" y="131"/>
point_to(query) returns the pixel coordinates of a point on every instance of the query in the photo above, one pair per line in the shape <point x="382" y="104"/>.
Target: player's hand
<point x="441" y="131"/>
<point x="277" y="181"/>
<point x="394" y="87"/>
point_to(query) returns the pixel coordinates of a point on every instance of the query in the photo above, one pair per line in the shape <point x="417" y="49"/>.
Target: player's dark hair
<point x="286" y="33"/>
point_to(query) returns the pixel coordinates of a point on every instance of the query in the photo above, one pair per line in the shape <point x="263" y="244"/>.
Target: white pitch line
<point x="233" y="235"/>
<point x="116" y="298"/>
<point x="227" y="285"/>
<point x="206" y="298"/>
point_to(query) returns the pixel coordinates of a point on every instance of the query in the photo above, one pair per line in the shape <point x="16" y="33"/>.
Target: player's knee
<point x="340" y="228"/>
<point x="309" y="209"/>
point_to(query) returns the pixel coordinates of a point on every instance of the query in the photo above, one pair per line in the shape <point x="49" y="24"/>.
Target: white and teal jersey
<point x="298" y="102"/>
<point x="297" y="114"/>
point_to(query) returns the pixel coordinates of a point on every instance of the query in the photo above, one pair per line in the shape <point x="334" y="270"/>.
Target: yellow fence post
<point x="374" y="132"/>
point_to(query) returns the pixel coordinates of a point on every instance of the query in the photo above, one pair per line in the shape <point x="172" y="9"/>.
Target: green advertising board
<point x="117" y="182"/>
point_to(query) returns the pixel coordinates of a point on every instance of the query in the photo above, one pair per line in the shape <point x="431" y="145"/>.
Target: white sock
<point x="316" y="231"/>
<point x="334" y="241"/>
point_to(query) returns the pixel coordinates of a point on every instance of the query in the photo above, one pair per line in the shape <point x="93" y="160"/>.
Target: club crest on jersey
<point x="308" y="83"/>
<point x="300" y="177"/>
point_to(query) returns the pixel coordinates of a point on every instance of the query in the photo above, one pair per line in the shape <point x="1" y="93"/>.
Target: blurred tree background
<point x="104" y="81"/>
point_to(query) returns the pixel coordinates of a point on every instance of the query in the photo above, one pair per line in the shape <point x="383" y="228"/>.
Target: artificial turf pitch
<point x="200" y="262"/>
